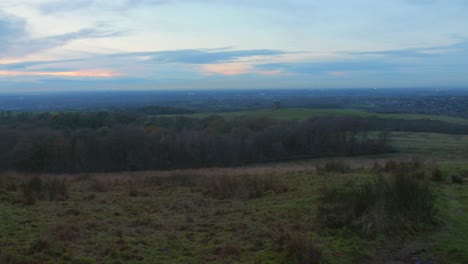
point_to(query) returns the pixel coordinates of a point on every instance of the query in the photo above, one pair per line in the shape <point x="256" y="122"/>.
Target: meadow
<point x="398" y="205"/>
<point x="283" y="213"/>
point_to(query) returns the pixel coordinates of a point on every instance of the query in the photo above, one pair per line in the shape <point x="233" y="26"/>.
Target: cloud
<point x="63" y="6"/>
<point x="11" y="28"/>
<point x="204" y="61"/>
<point x="28" y="64"/>
<point x="60" y="6"/>
<point x="207" y="56"/>
<point x="201" y="56"/>
<point x="337" y="73"/>
<point x="15" y="40"/>
<point x="331" y="66"/>
<point x="416" y="53"/>
<point x="83" y="73"/>
<point x="232" y="69"/>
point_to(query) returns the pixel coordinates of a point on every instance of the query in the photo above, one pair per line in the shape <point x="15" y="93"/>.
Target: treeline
<point x="146" y="116"/>
<point x="84" y="119"/>
<point x="163" y="110"/>
<point x="181" y="142"/>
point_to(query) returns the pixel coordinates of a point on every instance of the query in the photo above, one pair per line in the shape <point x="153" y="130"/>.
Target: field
<point x="431" y="146"/>
<point x="303" y="113"/>
<point x="212" y="216"/>
<point x="328" y="210"/>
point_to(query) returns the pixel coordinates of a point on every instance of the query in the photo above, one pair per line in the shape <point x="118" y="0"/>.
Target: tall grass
<point x="302" y="249"/>
<point x="335" y="166"/>
<point x="243" y="186"/>
<point x="49" y="189"/>
<point x="227" y="186"/>
<point x="400" y="200"/>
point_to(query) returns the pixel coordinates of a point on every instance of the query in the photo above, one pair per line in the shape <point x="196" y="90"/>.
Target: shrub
<point x="387" y="203"/>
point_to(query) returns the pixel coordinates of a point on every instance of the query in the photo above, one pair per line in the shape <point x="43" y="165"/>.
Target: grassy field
<point x="432" y="146"/>
<point x="302" y="113"/>
<point x="262" y="214"/>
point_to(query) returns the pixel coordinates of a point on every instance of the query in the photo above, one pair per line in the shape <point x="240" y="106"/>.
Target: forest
<point x="101" y="142"/>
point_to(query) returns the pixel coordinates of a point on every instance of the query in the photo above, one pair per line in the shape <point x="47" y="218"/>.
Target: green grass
<point x="173" y="224"/>
<point x="138" y="218"/>
<point x="302" y="113"/>
<point x="438" y="147"/>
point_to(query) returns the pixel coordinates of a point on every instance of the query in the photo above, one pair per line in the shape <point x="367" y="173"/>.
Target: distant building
<point x="276" y="105"/>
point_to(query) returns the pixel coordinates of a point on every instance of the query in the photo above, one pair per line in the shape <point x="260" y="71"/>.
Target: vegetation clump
<point x="457" y="179"/>
<point x="437" y="174"/>
<point x="302" y="249"/>
<point x="389" y="202"/>
<point x="49" y="189"/>
<point x="243" y="186"/>
<point x="336" y="166"/>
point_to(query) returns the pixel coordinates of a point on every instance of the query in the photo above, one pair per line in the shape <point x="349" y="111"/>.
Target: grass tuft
<point x="303" y="250"/>
<point x="243" y="186"/>
<point x="336" y="166"/>
<point x="388" y="203"/>
<point x="49" y="189"/>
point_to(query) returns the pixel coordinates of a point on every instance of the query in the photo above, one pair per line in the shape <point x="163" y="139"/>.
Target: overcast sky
<point x="220" y="44"/>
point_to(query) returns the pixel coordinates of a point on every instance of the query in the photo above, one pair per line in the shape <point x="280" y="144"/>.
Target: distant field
<point x="303" y="113"/>
<point x="431" y="145"/>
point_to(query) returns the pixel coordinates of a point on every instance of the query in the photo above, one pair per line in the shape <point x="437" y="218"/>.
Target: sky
<point x="232" y="44"/>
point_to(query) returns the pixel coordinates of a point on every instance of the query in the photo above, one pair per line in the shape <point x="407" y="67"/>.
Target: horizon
<point x="87" y="45"/>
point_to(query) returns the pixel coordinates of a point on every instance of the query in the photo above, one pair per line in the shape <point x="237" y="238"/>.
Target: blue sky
<point x="224" y="44"/>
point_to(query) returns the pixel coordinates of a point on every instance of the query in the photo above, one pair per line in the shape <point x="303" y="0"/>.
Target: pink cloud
<point x="84" y="73"/>
<point x="232" y="69"/>
<point x="338" y="73"/>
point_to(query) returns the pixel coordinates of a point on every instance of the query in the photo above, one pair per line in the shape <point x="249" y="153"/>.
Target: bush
<point x="387" y="203"/>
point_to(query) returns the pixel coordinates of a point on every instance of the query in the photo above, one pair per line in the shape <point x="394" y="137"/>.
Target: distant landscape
<point x="233" y="132"/>
<point x="188" y="184"/>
